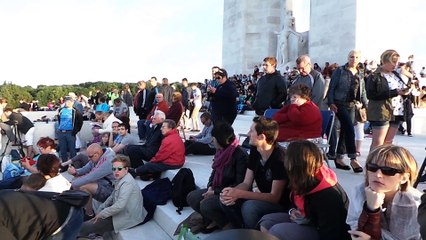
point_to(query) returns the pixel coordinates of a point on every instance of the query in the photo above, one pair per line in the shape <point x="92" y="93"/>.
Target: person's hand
<point x="228" y="196"/>
<point x="358" y="235"/>
<point x="405" y="91"/>
<point x="374" y="199"/>
<point x="96" y="218"/>
<point x="333" y="108"/>
<point x="208" y="193"/>
<point x="71" y="170"/>
<point x="25" y="163"/>
<point x="295" y="214"/>
<point x="358" y="105"/>
<point x="211" y="89"/>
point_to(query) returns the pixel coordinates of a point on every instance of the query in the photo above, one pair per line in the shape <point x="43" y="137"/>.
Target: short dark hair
<point x="48" y="164"/>
<point x="35" y="181"/>
<point x="170" y="123"/>
<point x="224" y="133"/>
<point x="221" y="72"/>
<point x="206" y="115"/>
<point x="267" y="127"/>
<point x="300" y="89"/>
<point x="123" y="125"/>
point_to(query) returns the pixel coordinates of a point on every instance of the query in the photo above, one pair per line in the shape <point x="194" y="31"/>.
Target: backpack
<point x="182" y="184"/>
<point x="156" y="193"/>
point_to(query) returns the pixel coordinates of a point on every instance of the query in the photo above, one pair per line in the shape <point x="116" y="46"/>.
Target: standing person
<point x="140" y="101"/>
<point x="196" y="106"/>
<point x="186" y="92"/>
<point x="311" y="78"/>
<point x="385" y="206"/>
<point x="345" y="89"/>
<point x="127" y="95"/>
<point x="70" y="122"/>
<point x="229" y="168"/>
<point x="23" y="125"/>
<point x="407" y="100"/>
<point x="123" y="208"/>
<point x="224" y="98"/>
<point x="382" y="86"/>
<point x="244" y="206"/>
<point x="320" y="203"/>
<point x="271" y="88"/>
<point x="167" y="91"/>
<point x="150" y="99"/>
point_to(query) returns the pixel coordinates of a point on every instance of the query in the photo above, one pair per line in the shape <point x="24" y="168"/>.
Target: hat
<point x="71" y="94"/>
<point x="68" y="98"/>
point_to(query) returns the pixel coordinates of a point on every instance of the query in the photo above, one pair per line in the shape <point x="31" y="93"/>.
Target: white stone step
<point x="149" y="231"/>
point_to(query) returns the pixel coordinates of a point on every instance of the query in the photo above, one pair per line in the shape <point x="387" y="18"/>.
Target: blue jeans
<point x="72" y="228"/>
<point x="66" y="144"/>
<point x="249" y="212"/>
<point x="346" y="142"/>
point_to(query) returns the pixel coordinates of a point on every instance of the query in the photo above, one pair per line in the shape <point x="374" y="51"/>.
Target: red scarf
<point x="327" y="179"/>
<point x="221" y="159"/>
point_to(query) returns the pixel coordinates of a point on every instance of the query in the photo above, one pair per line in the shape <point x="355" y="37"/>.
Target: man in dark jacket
<point x="138" y="153"/>
<point x="140" y="101"/>
<point x="70" y="122"/>
<point x="271" y="88"/>
<point x="23" y="125"/>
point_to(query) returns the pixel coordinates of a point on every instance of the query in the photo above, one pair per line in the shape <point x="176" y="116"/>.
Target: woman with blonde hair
<point x="385" y="206"/>
<point x="383" y="86"/>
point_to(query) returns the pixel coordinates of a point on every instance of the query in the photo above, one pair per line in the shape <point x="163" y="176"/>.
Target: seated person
<point x="46" y="145"/>
<point x="102" y="106"/>
<point x="33" y="182"/>
<point x="105" y="140"/>
<point x="385" y="206"/>
<point x="34" y="215"/>
<point x="121" y="111"/>
<point x="95" y="177"/>
<point x="138" y="153"/>
<point x="123" y="140"/>
<point x="176" y="109"/>
<point x="202" y="143"/>
<point x="49" y="165"/>
<point x="97" y="137"/>
<point x="23" y="125"/>
<point x="301" y="119"/>
<point x="123" y="208"/>
<point x="108" y="120"/>
<point x="320" y="203"/>
<point x="171" y="154"/>
<point x="144" y="124"/>
<point x="229" y="168"/>
<point x="245" y="206"/>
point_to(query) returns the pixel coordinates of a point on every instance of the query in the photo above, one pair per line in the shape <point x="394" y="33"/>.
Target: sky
<point x="54" y="42"/>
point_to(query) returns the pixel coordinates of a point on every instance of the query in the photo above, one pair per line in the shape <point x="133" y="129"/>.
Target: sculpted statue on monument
<point x="290" y="43"/>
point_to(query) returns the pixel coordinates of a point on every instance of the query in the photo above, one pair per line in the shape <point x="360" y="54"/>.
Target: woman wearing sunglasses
<point x="123" y="209"/>
<point x="385" y="207"/>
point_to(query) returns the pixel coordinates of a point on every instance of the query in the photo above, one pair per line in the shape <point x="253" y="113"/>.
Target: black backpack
<point x="182" y="184"/>
<point x="155" y="193"/>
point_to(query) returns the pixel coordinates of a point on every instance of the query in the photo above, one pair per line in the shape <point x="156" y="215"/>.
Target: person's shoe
<point x="341" y="166"/>
<point x="410" y="135"/>
<point x="331" y="157"/>
<point x="355" y="166"/>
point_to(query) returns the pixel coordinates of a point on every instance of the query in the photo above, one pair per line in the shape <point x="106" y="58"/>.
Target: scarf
<point x="327" y="179"/>
<point x="221" y="159"/>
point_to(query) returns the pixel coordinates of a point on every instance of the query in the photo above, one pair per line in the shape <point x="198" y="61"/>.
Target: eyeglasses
<point x="388" y="171"/>
<point x="117" y="168"/>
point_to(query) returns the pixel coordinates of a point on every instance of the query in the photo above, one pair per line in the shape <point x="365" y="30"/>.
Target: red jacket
<point x="299" y="122"/>
<point x="172" y="150"/>
<point x="162" y="106"/>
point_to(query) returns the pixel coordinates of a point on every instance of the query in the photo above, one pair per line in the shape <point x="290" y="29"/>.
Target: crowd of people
<point x="280" y="186"/>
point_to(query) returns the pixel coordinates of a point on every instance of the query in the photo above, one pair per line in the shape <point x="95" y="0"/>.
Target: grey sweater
<point x="94" y="171"/>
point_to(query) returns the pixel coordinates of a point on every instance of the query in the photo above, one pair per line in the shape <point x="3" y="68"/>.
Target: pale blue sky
<point x="57" y="42"/>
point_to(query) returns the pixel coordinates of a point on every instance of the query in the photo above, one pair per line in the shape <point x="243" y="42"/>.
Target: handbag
<point x="361" y="115"/>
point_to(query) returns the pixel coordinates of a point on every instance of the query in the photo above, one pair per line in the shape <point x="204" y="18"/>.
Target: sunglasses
<point x="117" y="168"/>
<point x="388" y="171"/>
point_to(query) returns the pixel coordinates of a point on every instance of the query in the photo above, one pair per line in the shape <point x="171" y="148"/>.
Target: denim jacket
<point x="340" y="86"/>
